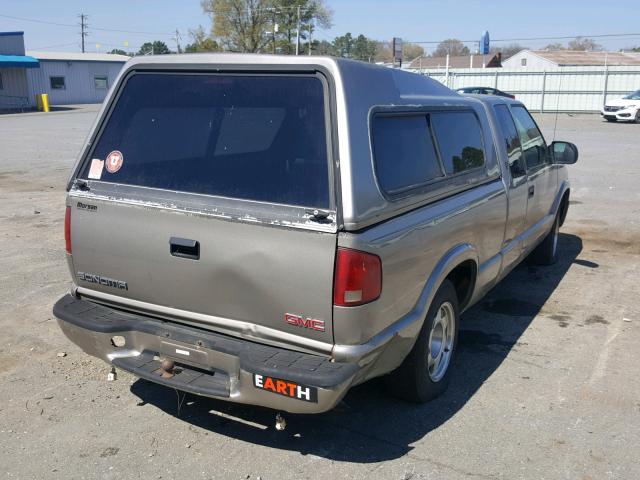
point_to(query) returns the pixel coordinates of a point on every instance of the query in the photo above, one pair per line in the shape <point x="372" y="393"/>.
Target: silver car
<point x="274" y="230"/>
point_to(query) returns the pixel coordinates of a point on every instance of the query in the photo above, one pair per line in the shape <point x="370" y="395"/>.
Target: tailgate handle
<point x="184" y="248"/>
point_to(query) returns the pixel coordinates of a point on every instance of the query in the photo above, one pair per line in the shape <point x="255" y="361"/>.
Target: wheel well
<point x="463" y="278"/>
<point x="564" y="206"/>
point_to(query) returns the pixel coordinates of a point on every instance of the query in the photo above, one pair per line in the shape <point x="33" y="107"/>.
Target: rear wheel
<point x="425" y="372"/>
<point x="638" y="116"/>
<point x="547" y="252"/>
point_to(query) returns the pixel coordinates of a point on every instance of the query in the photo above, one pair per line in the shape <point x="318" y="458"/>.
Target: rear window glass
<point x="253" y="137"/>
<point x="404" y="153"/>
<point x="459" y="140"/>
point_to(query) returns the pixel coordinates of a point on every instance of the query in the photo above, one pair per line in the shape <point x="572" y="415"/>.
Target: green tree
<point x="364" y="49"/>
<point x="343" y="46"/>
<point x="452" y="47"/>
<point x="202" y="42"/>
<point x="154" y="48"/>
<point x="285" y="15"/>
<point x="240" y="25"/>
<point x="117" y="51"/>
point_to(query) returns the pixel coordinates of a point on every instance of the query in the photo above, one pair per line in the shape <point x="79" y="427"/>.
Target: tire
<point x="547" y="252"/>
<point x="423" y="376"/>
<point x="610" y="119"/>
<point x="637" y="120"/>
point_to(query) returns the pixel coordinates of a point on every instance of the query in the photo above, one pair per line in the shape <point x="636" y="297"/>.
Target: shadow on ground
<point x="370" y="426"/>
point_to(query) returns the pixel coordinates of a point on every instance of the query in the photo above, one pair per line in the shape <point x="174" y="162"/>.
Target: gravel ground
<point x="546" y="382"/>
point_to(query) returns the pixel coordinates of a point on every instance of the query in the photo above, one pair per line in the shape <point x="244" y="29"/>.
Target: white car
<point x="625" y="109"/>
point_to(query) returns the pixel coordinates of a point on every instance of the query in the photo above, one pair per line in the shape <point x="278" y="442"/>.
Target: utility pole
<point x="298" y="33"/>
<point x="177" y="40"/>
<point x="83" y="28"/>
<point x="273" y="31"/>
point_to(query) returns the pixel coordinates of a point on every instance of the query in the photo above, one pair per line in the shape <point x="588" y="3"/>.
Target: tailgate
<point x="207" y="196"/>
<point x="246" y="272"/>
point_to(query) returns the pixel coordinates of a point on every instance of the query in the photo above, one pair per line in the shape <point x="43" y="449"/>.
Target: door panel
<point x="517" y="185"/>
<point x="541" y="178"/>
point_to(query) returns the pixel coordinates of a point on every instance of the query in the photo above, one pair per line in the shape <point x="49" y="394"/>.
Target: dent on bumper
<point x="216" y="365"/>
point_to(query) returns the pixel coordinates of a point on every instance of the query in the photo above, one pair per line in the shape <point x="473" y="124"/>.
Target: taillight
<point x="67" y="229"/>
<point x="358" y="278"/>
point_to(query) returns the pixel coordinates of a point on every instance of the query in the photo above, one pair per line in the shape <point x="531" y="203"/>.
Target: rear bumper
<point x="209" y="364"/>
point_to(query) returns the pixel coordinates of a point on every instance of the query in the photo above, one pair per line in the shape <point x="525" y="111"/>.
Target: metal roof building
<point x="68" y="77"/>
<point x="570" y="58"/>
<point x="72" y="77"/>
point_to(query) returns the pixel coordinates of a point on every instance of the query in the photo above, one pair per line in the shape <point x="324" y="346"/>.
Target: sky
<point x="411" y="20"/>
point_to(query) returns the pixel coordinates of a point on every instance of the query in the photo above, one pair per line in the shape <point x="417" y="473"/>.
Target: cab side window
<point x="512" y="142"/>
<point x="533" y="145"/>
<point x="404" y="152"/>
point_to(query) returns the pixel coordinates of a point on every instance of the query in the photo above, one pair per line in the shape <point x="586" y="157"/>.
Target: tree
<point x="584" y="44"/>
<point x="323" y="48"/>
<point x="117" y="51"/>
<point x="285" y="15"/>
<point x="383" y="52"/>
<point x="201" y="42"/>
<point x="250" y="25"/>
<point x="343" y="46"/>
<point x="555" y="46"/>
<point x="411" y="51"/>
<point x="240" y="25"/>
<point x="364" y="49"/>
<point x="451" y="46"/>
<point x="508" y="50"/>
<point x="154" y="48"/>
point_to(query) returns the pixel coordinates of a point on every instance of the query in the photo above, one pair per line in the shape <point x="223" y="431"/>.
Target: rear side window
<point x="533" y="144"/>
<point x="459" y="139"/>
<point x="252" y="137"/>
<point x="511" y="140"/>
<point x="404" y="154"/>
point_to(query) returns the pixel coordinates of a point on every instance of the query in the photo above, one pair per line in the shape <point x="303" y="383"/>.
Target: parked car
<point x="625" y="109"/>
<point x="274" y="230"/>
<point x="484" y="91"/>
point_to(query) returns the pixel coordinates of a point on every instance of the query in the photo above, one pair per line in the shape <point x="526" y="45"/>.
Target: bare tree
<point x="508" y="50"/>
<point x="584" y="44"/>
<point x="451" y="46"/>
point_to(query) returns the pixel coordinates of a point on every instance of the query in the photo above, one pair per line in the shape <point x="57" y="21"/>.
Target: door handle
<point x="184" y="248"/>
<point x="532" y="190"/>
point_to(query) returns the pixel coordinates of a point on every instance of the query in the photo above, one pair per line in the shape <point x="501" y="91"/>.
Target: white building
<point x="67" y="77"/>
<point x="70" y="77"/>
<point x="541" y="59"/>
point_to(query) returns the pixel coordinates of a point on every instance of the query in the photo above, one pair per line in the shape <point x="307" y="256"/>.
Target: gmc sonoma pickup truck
<point x="273" y="230"/>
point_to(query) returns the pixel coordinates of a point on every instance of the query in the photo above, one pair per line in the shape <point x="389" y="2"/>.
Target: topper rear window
<point x="251" y="137"/>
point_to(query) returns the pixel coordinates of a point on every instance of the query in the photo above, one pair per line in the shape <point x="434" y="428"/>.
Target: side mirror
<point x="564" y="153"/>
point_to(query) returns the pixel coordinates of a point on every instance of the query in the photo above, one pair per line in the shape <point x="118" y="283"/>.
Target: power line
<point x="434" y="42"/>
<point x="74" y="26"/>
<point x="54" y="46"/>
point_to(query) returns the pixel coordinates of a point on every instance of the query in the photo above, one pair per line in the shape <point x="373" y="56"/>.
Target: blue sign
<point x="484" y="43"/>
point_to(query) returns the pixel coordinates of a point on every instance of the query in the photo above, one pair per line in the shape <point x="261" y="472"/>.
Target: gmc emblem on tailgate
<point x="298" y="321"/>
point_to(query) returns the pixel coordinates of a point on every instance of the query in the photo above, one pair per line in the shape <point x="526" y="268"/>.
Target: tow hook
<point x="281" y="423"/>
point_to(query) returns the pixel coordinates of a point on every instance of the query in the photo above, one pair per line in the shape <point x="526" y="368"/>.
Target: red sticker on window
<point x="113" y="161"/>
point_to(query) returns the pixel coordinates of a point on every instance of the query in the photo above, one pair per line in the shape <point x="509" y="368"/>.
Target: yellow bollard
<point x="45" y="102"/>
